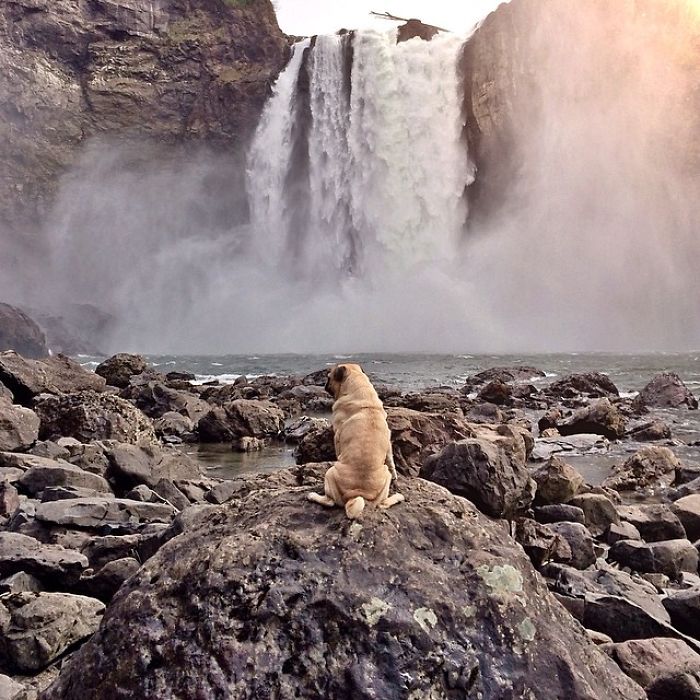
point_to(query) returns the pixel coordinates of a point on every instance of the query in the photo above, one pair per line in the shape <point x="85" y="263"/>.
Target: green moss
<point x="239" y="3"/>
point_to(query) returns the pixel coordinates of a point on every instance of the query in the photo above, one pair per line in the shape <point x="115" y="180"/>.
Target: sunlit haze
<point x="307" y="17"/>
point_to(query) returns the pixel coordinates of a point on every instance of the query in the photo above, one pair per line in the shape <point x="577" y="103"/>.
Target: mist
<point x="594" y="244"/>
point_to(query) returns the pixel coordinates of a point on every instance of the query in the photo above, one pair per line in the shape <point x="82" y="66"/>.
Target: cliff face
<point x="175" y="70"/>
<point x="618" y="78"/>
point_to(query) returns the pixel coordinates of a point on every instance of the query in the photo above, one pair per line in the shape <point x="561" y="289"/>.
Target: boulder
<point x="665" y="390"/>
<point x="670" y="557"/>
<point x="486" y="473"/>
<point x="645" y="660"/>
<point x="599" y="418"/>
<point x="591" y="384"/>
<point x="559" y="513"/>
<point x="541" y="543"/>
<point x="430" y="401"/>
<point x="20" y="333"/>
<point x="416" y="435"/>
<point x="267" y="576"/>
<point x="156" y="399"/>
<point x="36" y="628"/>
<point x="88" y="416"/>
<point x="26" y="379"/>
<point x="97" y="512"/>
<point x="653" y="521"/>
<point x="580" y="544"/>
<point x="678" y="686"/>
<point x="295" y="432"/>
<point x="599" y="512"/>
<point x="173" y="424"/>
<point x="10" y="689"/>
<point x="496" y="392"/>
<point x="51" y="564"/>
<point x="106" y="582"/>
<point x="521" y="373"/>
<point x="611" y="602"/>
<point x="557" y="482"/>
<point x="688" y="511"/>
<point x="131" y="465"/>
<point x="118" y="369"/>
<point x="684" y="608"/>
<point x="647" y="469"/>
<point x="9" y="498"/>
<point x="622" y="531"/>
<point x="241" y="418"/>
<point x="38" y="478"/>
<point x="19" y="427"/>
<point x="650" y="431"/>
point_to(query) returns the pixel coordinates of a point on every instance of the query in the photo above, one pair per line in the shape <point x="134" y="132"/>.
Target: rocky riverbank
<point x="112" y="534"/>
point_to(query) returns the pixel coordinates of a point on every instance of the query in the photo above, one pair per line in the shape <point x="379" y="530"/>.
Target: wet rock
<point x="19" y="427"/>
<point x="684" y="608"/>
<point x="599" y="418"/>
<point x="241" y="418"/>
<point x="547" y="447"/>
<point x="118" y="369"/>
<point x="483" y="413"/>
<point x="688" y="511"/>
<point x="580" y="544"/>
<point x="438" y="401"/>
<point x="496" y="392"/>
<point x="271" y="576"/>
<point x="88" y="416"/>
<point x="654" y="521"/>
<point x="690" y="488"/>
<point x="38" y="478"/>
<point x="670" y="557"/>
<point x="316" y="445"/>
<point x="647" y="469"/>
<point x="131" y="465"/>
<point x="558" y="513"/>
<point x="645" y="660"/>
<point x="599" y="512"/>
<point x="35" y="628"/>
<point x="685" y="473"/>
<point x="505" y="375"/>
<point x="557" y="482"/>
<point x="484" y="472"/>
<point x="96" y="512"/>
<point x="666" y="390"/>
<point x="26" y="379"/>
<point x="591" y="384"/>
<point x="650" y="431"/>
<point x="298" y="429"/>
<point x="20" y="333"/>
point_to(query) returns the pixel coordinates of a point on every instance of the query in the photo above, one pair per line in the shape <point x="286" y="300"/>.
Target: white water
<point x="387" y="165"/>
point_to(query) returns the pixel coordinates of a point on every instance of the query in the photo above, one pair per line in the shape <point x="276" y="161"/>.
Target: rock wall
<point x="174" y="70"/>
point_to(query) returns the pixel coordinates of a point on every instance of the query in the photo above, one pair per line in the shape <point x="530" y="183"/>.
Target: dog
<point x="365" y="463"/>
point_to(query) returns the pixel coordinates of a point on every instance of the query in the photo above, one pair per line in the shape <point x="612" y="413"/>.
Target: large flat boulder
<point x="96" y="512"/>
<point x="428" y="599"/>
<point x="59" y="374"/>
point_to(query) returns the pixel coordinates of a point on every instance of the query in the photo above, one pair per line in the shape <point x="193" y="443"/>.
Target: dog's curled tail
<point x="354" y="507"/>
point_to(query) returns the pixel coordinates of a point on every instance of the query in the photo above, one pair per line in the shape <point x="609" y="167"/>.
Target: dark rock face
<point x="187" y="70"/>
<point x="241" y="418"/>
<point x="486" y="473"/>
<point x="670" y="557"/>
<point x="20" y="333"/>
<point x="118" y="369"/>
<point x="269" y="578"/>
<point x="684" y="609"/>
<point x="592" y="385"/>
<point x="520" y="373"/>
<point x="87" y="416"/>
<point x="666" y="390"/>
<point x="415" y="28"/>
<point x="654" y="521"/>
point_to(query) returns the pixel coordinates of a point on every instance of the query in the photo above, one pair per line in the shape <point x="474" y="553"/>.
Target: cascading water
<point x="384" y="167"/>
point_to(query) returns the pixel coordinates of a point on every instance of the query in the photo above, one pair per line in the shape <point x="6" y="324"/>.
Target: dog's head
<point x="337" y="376"/>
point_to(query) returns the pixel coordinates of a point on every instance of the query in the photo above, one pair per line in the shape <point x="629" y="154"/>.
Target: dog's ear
<point x="339" y="373"/>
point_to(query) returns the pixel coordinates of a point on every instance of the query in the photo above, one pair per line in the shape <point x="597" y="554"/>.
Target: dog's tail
<point x="354" y="507"/>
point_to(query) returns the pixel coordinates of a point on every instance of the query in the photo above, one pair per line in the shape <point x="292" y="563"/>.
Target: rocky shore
<point x="123" y="565"/>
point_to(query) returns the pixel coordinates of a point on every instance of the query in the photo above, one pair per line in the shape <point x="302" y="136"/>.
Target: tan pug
<point x="365" y="463"/>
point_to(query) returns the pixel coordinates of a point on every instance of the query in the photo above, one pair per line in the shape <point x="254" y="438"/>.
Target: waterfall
<point x="383" y="170"/>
